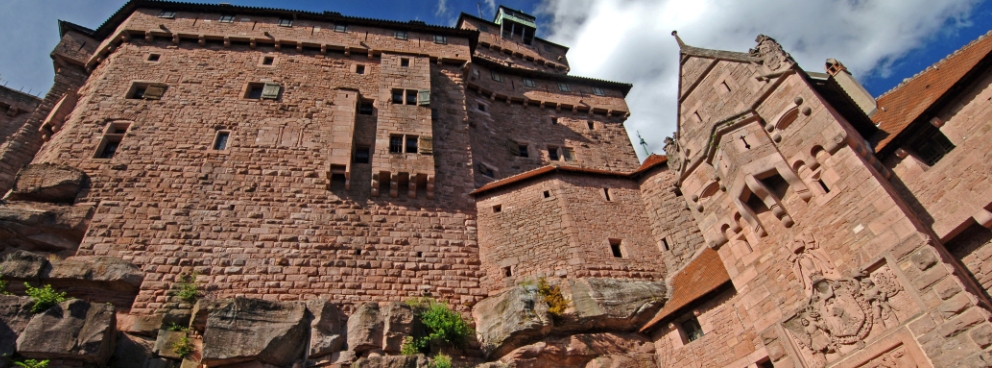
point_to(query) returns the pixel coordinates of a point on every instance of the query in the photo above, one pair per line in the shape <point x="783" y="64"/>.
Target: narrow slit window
<point x="606" y="192"/>
<point x="590" y="125"/>
<point x="220" y="142"/>
<point x="823" y="185"/>
<point x="616" y="247"/>
<point x="396" y="144"/>
<point x="724" y="87"/>
<point x="664" y="244"/>
<point x="507" y="271"/>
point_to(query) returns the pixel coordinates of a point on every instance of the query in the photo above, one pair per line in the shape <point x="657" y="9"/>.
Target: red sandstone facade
<point x="288" y="156"/>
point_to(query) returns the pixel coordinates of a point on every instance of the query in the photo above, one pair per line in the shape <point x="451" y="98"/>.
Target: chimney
<point x="852" y="87"/>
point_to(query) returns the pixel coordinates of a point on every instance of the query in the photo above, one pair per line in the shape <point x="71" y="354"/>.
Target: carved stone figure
<point x="674" y="152"/>
<point x="809" y="262"/>
<point x="770" y="52"/>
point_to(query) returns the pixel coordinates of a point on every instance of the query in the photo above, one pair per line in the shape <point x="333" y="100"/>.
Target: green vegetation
<point x="186" y="288"/>
<point x="31" y="363"/>
<point x="408" y="347"/>
<point x="441" y="361"/>
<point x="557" y="303"/>
<point x="183" y="347"/>
<point x="443" y="327"/>
<point x="176" y="327"/>
<point x="44" y="297"/>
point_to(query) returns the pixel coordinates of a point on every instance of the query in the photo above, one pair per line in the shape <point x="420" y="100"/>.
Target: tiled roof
<point x="651" y="161"/>
<point x="704" y="275"/>
<point x="901" y="106"/>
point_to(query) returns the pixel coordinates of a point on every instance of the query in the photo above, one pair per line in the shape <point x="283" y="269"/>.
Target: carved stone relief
<point x="895" y="358"/>
<point x="843" y="312"/>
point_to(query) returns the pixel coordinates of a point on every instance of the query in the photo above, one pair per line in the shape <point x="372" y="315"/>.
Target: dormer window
<point x="564" y="87"/>
<point x="439" y="39"/>
<point x="227" y="18"/>
<point x="400" y="35"/>
<point x="340" y="28"/>
<point x="167" y="14"/>
<point x="285" y="22"/>
<point x="598" y="91"/>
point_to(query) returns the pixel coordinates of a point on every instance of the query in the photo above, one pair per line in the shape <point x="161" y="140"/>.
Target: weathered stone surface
<point x="42" y="226"/>
<point x="165" y="341"/>
<point x="578" y="350"/>
<point x="399" y="322"/>
<point x="365" y="328"/>
<point x="23" y="265"/>
<point x="74" y="329"/>
<point x="201" y="311"/>
<point x="510" y="319"/>
<point x="612" y="304"/>
<point x="393" y="361"/>
<point x="135" y="351"/>
<point x="326" y="329"/>
<point x="97" y="279"/>
<point x="251" y="329"/>
<point x="47" y="183"/>
<point x="15" y="312"/>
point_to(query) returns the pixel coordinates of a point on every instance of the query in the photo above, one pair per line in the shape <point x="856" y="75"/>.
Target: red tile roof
<point x="705" y="274"/>
<point x="650" y="162"/>
<point x="901" y="106"/>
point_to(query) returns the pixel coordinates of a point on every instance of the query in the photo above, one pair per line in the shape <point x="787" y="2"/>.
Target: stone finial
<point x="678" y="39"/>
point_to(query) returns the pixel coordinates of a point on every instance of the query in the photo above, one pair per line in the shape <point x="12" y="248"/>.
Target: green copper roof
<point x="517" y="16"/>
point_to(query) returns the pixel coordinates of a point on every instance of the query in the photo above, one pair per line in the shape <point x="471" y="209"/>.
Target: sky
<point x="882" y="42"/>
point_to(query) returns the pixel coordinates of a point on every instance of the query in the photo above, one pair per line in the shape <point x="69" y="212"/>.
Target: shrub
<point x="443" y="327"/>
<point x="408" y="347"/>
<point x="176" y="327"/>
<point x="44" y="297"/>
<point x="31" y="363"/>
<point x="441" y="361"/>
<point x="183" y="347"/>
<point x="186" y="288"/>
<point x="557" y="303"/>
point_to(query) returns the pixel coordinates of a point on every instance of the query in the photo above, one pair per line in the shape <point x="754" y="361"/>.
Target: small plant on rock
<point x="409" y="347"/>
<point x="441" y="361"/>
<point x="44" y="297"/>
<point x="183" y="347"/>
<point x="176" y="327"/>
<point x="557" y="303"/>
<point x="186" y="288"/>
<point x="443" y="327"/>
<point x="31" y="363"/>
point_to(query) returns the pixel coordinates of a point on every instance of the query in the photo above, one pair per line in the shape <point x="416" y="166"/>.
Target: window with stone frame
<point x="485" y="170"/>
<point x="146" y="91"/>
<point x="411" y="143"/>
<point x="404" y="62"/>
<point x="553" y="153"/>
<point x="263" y="91"/>
<point x="689" y="329"/>
<point x="396" y="143"/>
<point x="929" y="143"/>
<point x="616" y="248"/>
<point x="112" y="139"/>
<point x="221" y="139"/>
<point x="568" y="154"/>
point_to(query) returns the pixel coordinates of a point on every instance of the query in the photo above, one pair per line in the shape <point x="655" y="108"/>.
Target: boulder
<point x="47" y="183"/>
<point x="201" y="310"/>
<point x="393" y="361"/>
<point x="510" y="319"/>
<point x="43" y="226"/>
<point x="15" y="313"/>
<point x="611" y="304"/>
<point x="22" y="266"/>
<point x="165" y="341"/>
<point x="579" y="350"/>
<point x="623" y="361"/>
<point x="398" y="322"/>
<point x="74" y="330"/>
<point x="365" y="328"/>
<point x="243" y="330"/>
<point x="135" y="351"/>
<point x="98" y="279"/>
<point x="326" y="329"/>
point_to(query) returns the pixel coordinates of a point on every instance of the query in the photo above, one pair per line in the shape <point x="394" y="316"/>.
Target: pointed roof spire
<point x="678" y="39"/>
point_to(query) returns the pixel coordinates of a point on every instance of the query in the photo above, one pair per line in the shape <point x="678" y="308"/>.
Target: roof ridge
<point x="936" y="64"/>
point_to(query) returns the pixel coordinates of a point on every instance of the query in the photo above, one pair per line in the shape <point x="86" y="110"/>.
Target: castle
<point x="309" y="172"/>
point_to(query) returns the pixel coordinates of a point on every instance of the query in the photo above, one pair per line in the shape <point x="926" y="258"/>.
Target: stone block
<point x="250" y="329"/>
<point x="74" y="329"/>
<point x="511" y="319"/>
<point x="47" y="183"/>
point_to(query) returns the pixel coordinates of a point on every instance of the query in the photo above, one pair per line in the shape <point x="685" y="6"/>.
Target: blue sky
<point x="881" y="41"/>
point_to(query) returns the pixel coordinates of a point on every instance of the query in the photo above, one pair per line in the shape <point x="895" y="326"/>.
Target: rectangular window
<point x="365" y="107"/>
<point x="606" y="192"/>
<point x="598" y="91"/>
<point x="398" y="96"/>
<point x="616" y="247"/>
<point x="564" y="87"/>
<point x="523" y="150"/>
<point x="396" y="144"/>
<point x="109" y="148"/>
<point x="554" y="121"/>
<point x="146" y="91"/>
<point x="441" y="39"/>
<point x="362" y="155"/>
<point x="400" y="35"/>
<point x="404" y="62"/>
<point x="167" y="14"/>
<point x="154" y="57"/>
<point x="497" y="77"/>
<point x="553" y="153"/>
<point x="548" y="48"/>
<point x="227" y="18"/>
<point x="112" y="140"/>
<point x="497" y="208"/>
<point x="411" y="144"/>
<point x="285" y="22"/>
<point x="359" y="69"/>
<point x="482" y="107"/>
<point x="255" y="91"/>
<point x="664" y="244"/>
<point x="590" y="125"/>
<point x="340" y="28"/>
<point x="138" y="93"/>
<point x="568" y="154"/>
<point x="485" y="170"/>
<point x="411" y="97"/>
<point x="691" y="329"/>
<point x="929" y="143"/>
<point x="528" y="82"/>
<point x="220" y="142"/>
<point x="268" y="60"/>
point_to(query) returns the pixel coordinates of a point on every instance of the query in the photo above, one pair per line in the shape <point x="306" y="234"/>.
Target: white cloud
<point x="442" y="8"/>
<point x="630" y="40"/>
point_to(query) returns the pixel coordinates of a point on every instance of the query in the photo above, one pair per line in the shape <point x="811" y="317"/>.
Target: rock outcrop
<point x="15" y="313"/>
<point x="365" y="328"/>
<point x="43" y="226"/>
<point x="242" y="330"/>
<point x="20" y="265"/>
<point x="326" y="329"/>
<point x="393" y="361"/>
<point x="47" y="183"/>
<point x="97" y="279"/>
<point x="595" y="349"/>
<point x="74" y="330"/>
<point x="612" y="304"/>
<point x="511" y="319"/>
